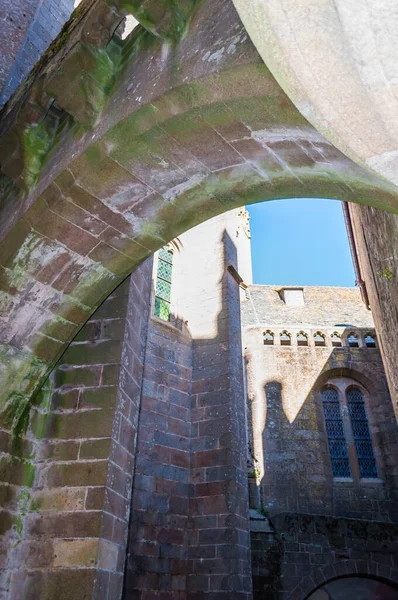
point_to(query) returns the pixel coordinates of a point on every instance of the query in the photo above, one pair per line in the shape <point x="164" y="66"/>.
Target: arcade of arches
<point x="112" y="147"/>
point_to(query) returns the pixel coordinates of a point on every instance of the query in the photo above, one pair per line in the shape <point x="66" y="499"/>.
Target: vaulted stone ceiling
<point x="337" y="61"/>
<point x="113" y="147"/>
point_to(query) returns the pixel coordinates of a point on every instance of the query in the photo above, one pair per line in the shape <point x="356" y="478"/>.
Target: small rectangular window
<point x="163" y="284"/>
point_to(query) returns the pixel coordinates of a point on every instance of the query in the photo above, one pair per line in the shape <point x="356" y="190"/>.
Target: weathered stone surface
<point x="154" y="163"/>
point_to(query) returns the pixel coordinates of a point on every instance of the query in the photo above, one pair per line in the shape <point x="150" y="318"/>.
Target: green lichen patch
<point x="20" y="374"/>
<point x="37" y="142"/>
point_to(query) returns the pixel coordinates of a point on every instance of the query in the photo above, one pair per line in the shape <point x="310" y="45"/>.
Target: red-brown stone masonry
<point x="219" y="542"/>
<point x="309" y="550"/>
<point x="157" y="555"/>
<point x="72" y="525"/>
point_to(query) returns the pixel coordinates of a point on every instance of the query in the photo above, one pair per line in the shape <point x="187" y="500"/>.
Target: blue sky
<point x="300" y="242"/>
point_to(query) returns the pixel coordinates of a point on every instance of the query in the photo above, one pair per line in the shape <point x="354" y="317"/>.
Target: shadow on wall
<point x="290" y="467"/>
<point x="190" y="470"/>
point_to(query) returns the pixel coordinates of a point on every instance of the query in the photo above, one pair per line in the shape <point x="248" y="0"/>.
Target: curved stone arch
<point x="348" y="568"/>
<point x="163" y="153"/>
<point x="371" y="387"/>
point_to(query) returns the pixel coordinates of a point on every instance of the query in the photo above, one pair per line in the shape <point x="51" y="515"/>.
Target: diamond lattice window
<point x="335" y="433"/>
<point x="361" y="433"/>
<point x="163" y="284"/>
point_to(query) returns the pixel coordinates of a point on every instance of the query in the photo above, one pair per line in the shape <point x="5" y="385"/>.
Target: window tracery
<point x="361" y="433"/>
<point x="335" y="433"/>
<point x="285" y="338"/>
<point x="319" y="339"/>
<point x="302" y="339"/>
<point x="163" y="283"/>
<point x="268" y="338"/>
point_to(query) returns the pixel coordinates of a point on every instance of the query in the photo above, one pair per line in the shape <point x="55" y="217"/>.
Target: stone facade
<point x="133" y="473"/>
<point x="317" y="525"/>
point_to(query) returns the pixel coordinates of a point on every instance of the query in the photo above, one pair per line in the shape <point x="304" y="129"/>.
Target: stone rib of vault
<point x="114" y="147"/>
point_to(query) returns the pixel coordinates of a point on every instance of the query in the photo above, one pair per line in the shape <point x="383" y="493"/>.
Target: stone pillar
<point x="69" y="510"/>
<point x="219" y="544"/>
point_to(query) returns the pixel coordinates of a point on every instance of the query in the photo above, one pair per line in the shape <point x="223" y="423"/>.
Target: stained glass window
<point x="335" y="433"/>
<point x="360" y="430"/>
<point x="163" y="284"/>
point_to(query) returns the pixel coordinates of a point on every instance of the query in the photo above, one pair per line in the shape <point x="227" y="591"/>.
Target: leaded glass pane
<point x="364" y="449"/>
<point x="165" y="255"/>
<point x="341" y="467"/>
<point x="331" y="410"/>
<point x="163" y="289"/>
<point x="335" y="433"/>
<point x="360" y="430"/>
<point x="338" y="449"/>
<point x="357" y="411"/>
<point x="334" y="429"/>
<point x="367" y="468"/>
<point x="164" y="270"/>
<point x="162" y="309"/>
<point x="330" y="395"/>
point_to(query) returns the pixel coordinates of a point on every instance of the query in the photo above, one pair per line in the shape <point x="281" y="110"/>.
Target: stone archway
<point x="356" y="572"/>
<point x="344" y="588"/>
<point x="113" y="148"/>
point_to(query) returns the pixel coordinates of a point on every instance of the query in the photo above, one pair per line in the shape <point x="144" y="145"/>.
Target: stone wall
<point x="304" y="551"/>
<point x="68" y="491"/>
<point x="290" y="461"/>
<point x="189" y="532"/>
<point x="26" y="30"/>
<point x="376" y="235"/>
<point x="141" y="428"/>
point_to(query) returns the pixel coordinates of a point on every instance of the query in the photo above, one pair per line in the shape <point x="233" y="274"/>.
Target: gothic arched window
<point x="285" y="338"/>
<point x="319" y="339"/>
<point x="268" y="338"/>
<point x="335" y="432"/>
<point x="361" y="433"/>
<point x="336" y="340"/>
<point x="163" y="283"/>
<point x="302" y="339"/>
<point x="370" y="341"/>
<point x="352" y="341"/>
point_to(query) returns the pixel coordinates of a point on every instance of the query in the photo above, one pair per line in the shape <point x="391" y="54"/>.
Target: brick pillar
<point x="68" y="531"/>
<point x="157" y="559"/>
<point x="219" y="548"/>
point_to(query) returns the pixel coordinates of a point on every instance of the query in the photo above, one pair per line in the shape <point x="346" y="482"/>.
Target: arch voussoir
<point x="173" y="135"/>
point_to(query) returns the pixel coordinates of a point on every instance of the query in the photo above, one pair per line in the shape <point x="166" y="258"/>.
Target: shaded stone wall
<point x="26" y="30"/>
<point x="376" y="235"/>
<point x="158" y="539"/>
<point x="291" y="467"/>
<point x="306" y="550"/>
<point x="189" y="528"/>
<point x="69" y="497"/>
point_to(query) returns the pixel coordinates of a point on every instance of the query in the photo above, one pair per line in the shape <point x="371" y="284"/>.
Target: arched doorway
<point x="360" y="588"/>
